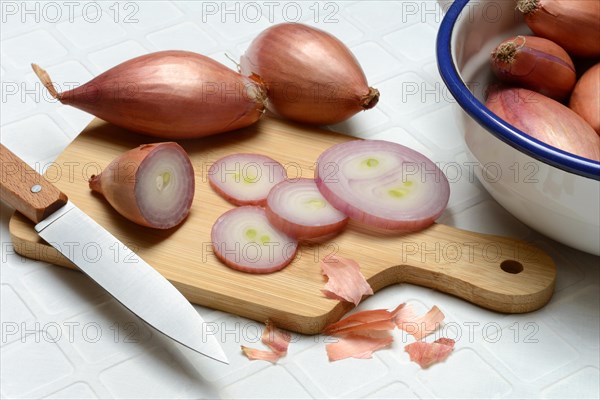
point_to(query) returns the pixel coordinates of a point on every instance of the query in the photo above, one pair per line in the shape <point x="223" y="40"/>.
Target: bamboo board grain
<point x="461" y="263"/>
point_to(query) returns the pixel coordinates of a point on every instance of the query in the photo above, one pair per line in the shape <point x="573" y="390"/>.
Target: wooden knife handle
<point x="26" y="190"/>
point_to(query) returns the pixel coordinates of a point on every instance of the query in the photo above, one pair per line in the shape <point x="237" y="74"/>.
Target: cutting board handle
<point x="24" y="189"/>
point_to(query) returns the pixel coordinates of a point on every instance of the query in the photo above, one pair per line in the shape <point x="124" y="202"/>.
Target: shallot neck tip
<point x="371" y="99"/>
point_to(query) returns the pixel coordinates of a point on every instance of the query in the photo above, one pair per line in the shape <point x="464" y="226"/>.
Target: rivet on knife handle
<point x="26" y="190"/>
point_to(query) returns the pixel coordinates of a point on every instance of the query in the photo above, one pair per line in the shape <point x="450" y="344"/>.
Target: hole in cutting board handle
<point x="511" y="266"/>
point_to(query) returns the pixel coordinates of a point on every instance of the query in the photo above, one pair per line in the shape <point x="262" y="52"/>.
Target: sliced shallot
<point x="298" y="208"/>
<point x="151" y="185"/>
<point x="243" y="239"/>
<point x="427" y="354"/>
<point x="345" y="282"/>
<point x="245" y="179"/>
<point x="356" y="346"/>
<point x="382" y="184"/>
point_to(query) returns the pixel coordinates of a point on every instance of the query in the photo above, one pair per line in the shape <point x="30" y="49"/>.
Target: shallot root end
<point x="505" y="53"/>
<point x="371" y="99"/>
<point x="94" y="183"/>
<point x="45" y="79"/>
<point x="527" y="6"/>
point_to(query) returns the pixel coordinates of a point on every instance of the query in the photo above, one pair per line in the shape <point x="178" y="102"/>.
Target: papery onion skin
<point x="219" y="234"/>
<point x="535" y="63"/>
<point x="546" y="120"/>
<point x="585" y="99"/>
<point x="572" y="24"/>
<point x="121" y="183"/>
<point x="294" y="229"/>
<point x="168" y="94"/>
<point x="351" y="204"/>
<point x="310" y="75"/>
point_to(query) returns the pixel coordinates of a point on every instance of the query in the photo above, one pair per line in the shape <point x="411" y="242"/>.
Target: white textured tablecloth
<point x="62" y="337"/>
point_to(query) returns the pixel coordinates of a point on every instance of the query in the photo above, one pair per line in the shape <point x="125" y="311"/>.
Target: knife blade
<point x="130" y="280"/>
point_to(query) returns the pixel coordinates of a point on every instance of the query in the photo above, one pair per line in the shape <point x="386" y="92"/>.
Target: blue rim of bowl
<point x="493" y="124"/>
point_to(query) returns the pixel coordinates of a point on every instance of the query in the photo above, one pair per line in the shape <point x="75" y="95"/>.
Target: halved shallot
<point x="245" y="179"/>
<point x="310" y="75"/>
<point x="297" y="208"/>
<point x="151" y="185"/>
<point x="168" y="94"/>
<point x="243" y="239"/>
<point x="382" y="184"/>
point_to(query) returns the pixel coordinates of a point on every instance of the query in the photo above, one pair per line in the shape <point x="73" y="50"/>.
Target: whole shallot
<point x="168" y="94"/>
<point x="573" y="24"/>
<point x="310" y="75"/>
<point x="546" y="120"/>
<point x="535" y="63"/>
<point x="585" y="99"/>
<point x="151" y="185"/>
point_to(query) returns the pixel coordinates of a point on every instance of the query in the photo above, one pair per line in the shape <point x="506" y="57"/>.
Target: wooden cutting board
<point x="478" y="268"/>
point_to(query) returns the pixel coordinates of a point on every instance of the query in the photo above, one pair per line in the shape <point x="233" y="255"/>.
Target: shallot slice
<point x="345" y="279"/>
<point x="245" y="179"/>
<point x="427" y="354"/>
<point x="382" y="184"/>
<point x="356" y="346"/>
<point x="422" y="326"/>
<point x="298" y="208"/>
<point x="243" y="239"/>
<point x="151" y="185"/>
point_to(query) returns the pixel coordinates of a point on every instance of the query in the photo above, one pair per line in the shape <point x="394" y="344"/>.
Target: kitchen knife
<point x="130" y="280"/>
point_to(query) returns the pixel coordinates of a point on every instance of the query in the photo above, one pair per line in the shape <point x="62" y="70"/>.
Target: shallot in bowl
<point x="552" y="190"/>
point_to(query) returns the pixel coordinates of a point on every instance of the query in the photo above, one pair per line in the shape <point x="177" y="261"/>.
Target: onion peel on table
<point x="345" y="281"/>
<point x="274" y="338"/>
<point x="357" y="346"/>
<point x="422" y="326"/>
<point x="426" y="354"/>
<point x="364" y="321"/>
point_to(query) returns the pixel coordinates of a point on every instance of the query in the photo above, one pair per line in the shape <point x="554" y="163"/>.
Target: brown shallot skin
<point x="585" y="99"/>
<point x="310" y="75"/>
<point x="118" y="184"/>
<point x="546" y="120"/>
<point x="572" y="24"/>
<point x="535" y="63"/>
<point x="168" y="94"/>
